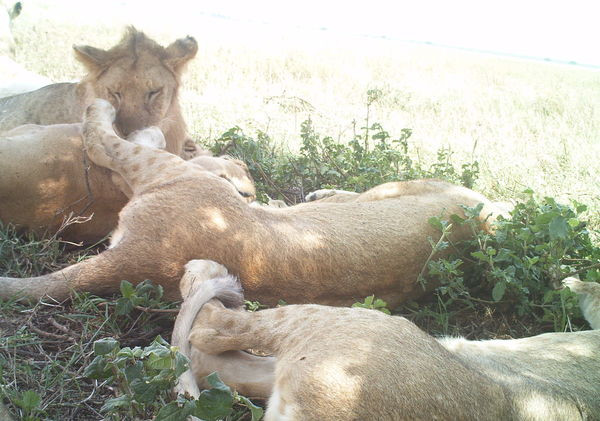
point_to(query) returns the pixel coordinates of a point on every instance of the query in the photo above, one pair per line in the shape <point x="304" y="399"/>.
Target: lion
<point x="358" y="364"/>
<point x="63" y="182"/>
<point x="332" y="253"/>
<point x="139" y="77"/>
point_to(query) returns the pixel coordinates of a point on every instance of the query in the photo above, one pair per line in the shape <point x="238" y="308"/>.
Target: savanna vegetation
<point x="347" y="113"/>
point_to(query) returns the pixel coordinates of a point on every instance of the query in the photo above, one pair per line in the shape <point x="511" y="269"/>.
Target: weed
<point x="145" y="378"/>
<point x="522" y="263"/>
<point x="366" y="160"/>
<point x="372" y="303"/>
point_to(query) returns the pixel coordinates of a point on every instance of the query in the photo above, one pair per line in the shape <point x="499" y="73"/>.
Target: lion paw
<point x="100" y="110"/>
<point x="320" y="194"/>
<point x="198" y="271"/>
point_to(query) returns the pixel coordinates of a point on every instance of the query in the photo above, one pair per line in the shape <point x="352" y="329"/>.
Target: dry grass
<point x="529" y="124"/>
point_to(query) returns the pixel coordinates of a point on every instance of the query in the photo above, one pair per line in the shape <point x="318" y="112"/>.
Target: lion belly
<point x="44" y="181"/>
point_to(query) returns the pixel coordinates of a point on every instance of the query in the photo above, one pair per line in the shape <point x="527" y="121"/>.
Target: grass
<point x="528" y="124"/>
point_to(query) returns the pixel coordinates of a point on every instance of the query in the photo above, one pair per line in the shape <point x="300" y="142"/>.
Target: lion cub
<point x="357" y="364"/>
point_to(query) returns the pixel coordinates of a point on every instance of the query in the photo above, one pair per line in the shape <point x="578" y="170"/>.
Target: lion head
<point x="140" y="79"/>
<point x="232" y="170"/>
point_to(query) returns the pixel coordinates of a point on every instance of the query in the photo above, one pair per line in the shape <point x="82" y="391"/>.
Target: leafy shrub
<point x="523" y="261"/>
<point x="322" y="162"/>
<point x="145" y="377"/>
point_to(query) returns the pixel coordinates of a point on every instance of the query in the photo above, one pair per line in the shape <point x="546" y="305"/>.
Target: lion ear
<point x="15" y="10"/>
<point x="91" y="57"/>
<point x="180" y="52"/>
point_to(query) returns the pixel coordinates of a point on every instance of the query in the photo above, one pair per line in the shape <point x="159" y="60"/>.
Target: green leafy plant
<point x="144" y="379"/>
<point x="368" y="159"/>
<point x="373" y="303"/>
<point x="29" y="402"/>
<point x="523" y="261"/>
<point x="144" y="295"/>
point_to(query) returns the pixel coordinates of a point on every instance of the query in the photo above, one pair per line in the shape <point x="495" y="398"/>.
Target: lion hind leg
<point x="140" y="166"/>
<point x="207" y="283"/>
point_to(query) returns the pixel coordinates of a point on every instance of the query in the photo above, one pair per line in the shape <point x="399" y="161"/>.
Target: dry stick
<point x="147" y="309"/>
<point x="157" y="310"/>
<point x="48" y="334"/>
<point x="577" y="272"/>
<point x="89" y="196"/>
<point x="445" y="232"/>
<point x="59" y="326"/>
<point x="270" y="181"/>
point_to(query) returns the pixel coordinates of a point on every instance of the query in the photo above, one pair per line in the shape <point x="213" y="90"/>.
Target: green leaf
<point x="134" y="372"/>
<point x="105" y="346"/>
<point x="436" y="223"/>
<point x="114" y="404"/>
<point x="159" y="362"/>
<point x="181" y="364"/>
<point x="124" y="306"/>
<point x="172" y="412"/>
<point x="144" y="391"/>
<point x="457" y="220"/>
<point x="127" y="289"/>
<point x="98" y="369"/>
<point x="214" y="380"/>
<point x="29" y="401"/>
<point x="480" y="255"/>
<point x="369" y="300"/>
<point x="213" y="404"/>
<point x="498" y="291"/>
<point x="558" y="228"/>
<point x="256" y="411"/>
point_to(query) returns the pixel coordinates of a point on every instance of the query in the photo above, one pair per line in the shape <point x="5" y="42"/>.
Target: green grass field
<point x="528" y="124"/>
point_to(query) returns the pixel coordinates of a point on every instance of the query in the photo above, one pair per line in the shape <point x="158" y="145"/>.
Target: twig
<point x="421" y="275"/>
<point x="60" y="327"/>
<point x="146" y="309"/>
<point x="48" y="334"/>
<point x="577" y="272"/>
<point x="271" y="182"/>
<point x="157" y="310"/>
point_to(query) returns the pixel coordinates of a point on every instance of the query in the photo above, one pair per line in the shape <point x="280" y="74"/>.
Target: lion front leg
<point x="141" y="166"/>
<point x="102" y="144"/>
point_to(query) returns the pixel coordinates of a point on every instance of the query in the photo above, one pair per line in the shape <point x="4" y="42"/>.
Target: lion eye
<point x="154" y="93"/>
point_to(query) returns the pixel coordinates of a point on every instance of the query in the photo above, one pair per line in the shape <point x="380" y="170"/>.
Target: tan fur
<point x="358" y="364"/>
<point x="44" y="180"/>
<point x="232" y="170"/>
<point x="321" y="252"/>
<point x="200" y="284"/>
<point x="138" y="76"/>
